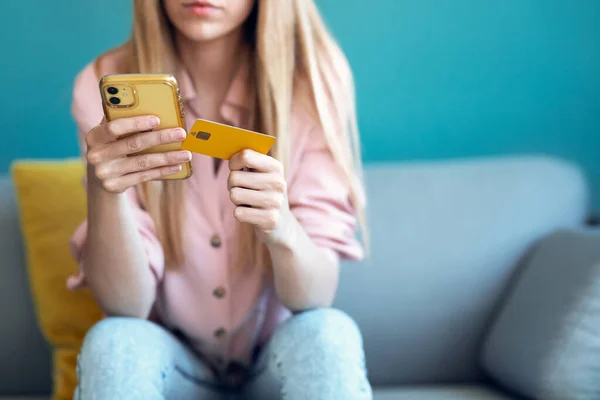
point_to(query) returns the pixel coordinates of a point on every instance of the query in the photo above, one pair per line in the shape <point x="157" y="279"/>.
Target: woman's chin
<point x="202" y="32"/>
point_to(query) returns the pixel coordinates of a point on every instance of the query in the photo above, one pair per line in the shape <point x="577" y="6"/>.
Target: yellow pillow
<point x="52" y="203"/>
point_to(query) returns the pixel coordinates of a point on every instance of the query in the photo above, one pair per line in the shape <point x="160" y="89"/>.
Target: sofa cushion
<point x="440" y="393"/>
<point x="545" y="343"/>
<point x="52" y="203"/>
<point x="446" y="237"/>
<point x="24" y="355"/>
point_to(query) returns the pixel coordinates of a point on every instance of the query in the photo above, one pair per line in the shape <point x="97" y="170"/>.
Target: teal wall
<point x="435" y="78"/>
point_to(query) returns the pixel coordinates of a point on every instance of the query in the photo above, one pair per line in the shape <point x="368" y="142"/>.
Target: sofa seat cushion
<point x="440" y="393"/>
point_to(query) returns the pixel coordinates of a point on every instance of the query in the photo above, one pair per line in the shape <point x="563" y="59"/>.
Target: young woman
<point x="218" y="286"/>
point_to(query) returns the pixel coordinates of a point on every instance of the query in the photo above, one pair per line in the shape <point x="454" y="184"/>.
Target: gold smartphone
<point x="131" y="95"/>
<point x="222" y="141"/>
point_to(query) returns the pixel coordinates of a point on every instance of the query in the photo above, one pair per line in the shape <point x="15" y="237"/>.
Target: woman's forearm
<point x="114" y="260"/>
<point x="306" y="276"/>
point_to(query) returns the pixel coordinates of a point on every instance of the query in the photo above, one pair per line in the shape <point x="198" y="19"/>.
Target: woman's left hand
<point x="258" y="189"/>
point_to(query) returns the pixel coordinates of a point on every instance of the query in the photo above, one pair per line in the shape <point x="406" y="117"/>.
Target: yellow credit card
<point x="223" y="141"/>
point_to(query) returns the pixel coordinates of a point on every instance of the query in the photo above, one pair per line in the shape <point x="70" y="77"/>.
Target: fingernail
<point x="179" y="134"/>
<point x="184" y="156"/>
<point x="154" y="121"/>
<point x="175" y="168"/>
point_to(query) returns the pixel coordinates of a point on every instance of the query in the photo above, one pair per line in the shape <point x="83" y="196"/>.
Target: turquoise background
<point x="435" y="78"/>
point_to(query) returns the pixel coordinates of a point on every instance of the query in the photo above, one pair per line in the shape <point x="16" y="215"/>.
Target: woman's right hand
<point x="115" y="170"/>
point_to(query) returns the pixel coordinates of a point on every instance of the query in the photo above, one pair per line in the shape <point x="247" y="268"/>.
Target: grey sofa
<point x="450" y="243"/>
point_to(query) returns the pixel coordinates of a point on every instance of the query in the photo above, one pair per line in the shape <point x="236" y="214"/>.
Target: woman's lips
<point x="201" y="8"/>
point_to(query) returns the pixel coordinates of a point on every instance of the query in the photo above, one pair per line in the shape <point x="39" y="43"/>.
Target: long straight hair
<point x="307" y="53"/>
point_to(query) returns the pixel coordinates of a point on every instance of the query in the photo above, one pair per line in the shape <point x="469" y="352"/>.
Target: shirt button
<point x="215" y="241"/>
<point x="219" y="292"/>
<point x="220" y="332"/>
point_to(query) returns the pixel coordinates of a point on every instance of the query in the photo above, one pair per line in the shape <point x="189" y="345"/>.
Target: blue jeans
<point x="315" y="355"/>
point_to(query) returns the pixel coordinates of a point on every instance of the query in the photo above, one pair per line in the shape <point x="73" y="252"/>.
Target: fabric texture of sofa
<point x="459" y="250"/>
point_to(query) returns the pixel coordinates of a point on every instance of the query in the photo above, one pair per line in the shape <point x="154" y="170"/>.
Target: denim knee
<point x="114" y="345"/>
<point x="319" y="354"/>
<point x="112" y="334"/>
<point x="322" y="327"/>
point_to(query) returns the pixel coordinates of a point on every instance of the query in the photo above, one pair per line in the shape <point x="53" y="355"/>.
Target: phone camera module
<point x="114" y="100"/>
<point x="112" y="90"/>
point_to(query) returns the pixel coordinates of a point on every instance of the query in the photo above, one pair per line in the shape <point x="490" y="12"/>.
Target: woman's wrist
<point x="95" y="186"/>
<point x="283" y="238"/>
<point x="100" y="200"/>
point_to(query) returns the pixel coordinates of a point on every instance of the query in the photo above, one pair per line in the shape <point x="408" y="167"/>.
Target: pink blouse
<point x="225" y="314"/>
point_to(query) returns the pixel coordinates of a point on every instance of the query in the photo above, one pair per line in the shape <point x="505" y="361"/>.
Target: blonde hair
<point x="310" y="54"/>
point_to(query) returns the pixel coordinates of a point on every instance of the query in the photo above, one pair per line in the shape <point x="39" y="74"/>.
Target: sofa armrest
<point x="545" y="341"/>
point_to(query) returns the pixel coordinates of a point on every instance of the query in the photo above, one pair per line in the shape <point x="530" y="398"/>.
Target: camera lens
<point x="112" y="90"/>
<point x="115" y="100"/>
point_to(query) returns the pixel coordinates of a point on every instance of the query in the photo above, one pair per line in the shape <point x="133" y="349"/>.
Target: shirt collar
<point x="236" y="106"/>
